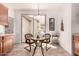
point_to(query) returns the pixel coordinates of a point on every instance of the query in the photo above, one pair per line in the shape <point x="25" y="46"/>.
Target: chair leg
<point x="30" y="47"/>
<point x="42" y="50"/>
<point x="34" y="50"/>
<point x="46" y="46"/>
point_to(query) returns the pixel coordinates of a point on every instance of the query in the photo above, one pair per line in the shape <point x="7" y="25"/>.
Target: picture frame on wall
<point x="51" y="24"/>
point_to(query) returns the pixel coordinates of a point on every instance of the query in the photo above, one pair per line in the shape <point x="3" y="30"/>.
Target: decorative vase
<point x="62" y="26"/>
<point x="38" y="36"/>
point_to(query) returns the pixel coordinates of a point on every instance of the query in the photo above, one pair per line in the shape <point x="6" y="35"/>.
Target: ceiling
<point x="34" y="6"/>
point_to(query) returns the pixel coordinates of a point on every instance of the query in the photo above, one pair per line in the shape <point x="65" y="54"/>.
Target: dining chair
<point x="29" y="41"/>
<point x="47" y="39"/>
<point x="55" y="39"/>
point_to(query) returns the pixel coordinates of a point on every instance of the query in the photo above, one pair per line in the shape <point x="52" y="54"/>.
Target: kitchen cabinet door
<point x="0" y="46"/>
<point x="3" y="15"/>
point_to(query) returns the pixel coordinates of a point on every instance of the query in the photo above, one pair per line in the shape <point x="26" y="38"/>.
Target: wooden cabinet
<point x="0" y="45"/>
<point x="76" y="44"/>
<point x="3" y="15"/>
<point x="6" y="44"/>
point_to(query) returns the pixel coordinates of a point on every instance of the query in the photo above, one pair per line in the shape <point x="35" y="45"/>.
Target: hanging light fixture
<point x="38" y="9"/>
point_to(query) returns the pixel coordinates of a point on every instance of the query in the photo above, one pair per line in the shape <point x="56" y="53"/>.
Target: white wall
<point x="65" y="36"/>
<point x="75" y="18"/>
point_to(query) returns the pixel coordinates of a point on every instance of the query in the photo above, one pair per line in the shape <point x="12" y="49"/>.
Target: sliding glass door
<point x="39" y="25"/>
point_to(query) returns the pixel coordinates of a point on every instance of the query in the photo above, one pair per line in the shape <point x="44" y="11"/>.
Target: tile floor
<point x="19" y="50"/>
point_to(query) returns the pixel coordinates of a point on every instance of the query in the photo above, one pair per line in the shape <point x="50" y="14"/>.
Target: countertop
<point x="6" y="34"/>
<point x="76" y="34"/>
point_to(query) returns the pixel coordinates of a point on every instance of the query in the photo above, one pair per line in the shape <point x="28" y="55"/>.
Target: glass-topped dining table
<point x="38" y="43"/>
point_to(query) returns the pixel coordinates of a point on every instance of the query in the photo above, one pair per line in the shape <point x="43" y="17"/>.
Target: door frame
<point x="22" y="26"/>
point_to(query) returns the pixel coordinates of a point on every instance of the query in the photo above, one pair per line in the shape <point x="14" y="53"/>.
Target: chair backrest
<point x="47" y="35"/>
<point x="28" y="37"/>
<point x="55" y="35"/>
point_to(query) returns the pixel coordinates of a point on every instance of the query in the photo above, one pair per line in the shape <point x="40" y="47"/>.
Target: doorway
<point x="33" y="24"/>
